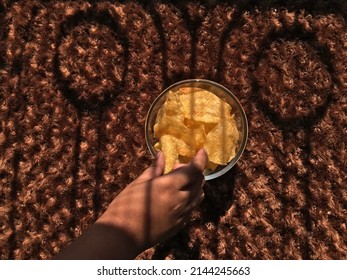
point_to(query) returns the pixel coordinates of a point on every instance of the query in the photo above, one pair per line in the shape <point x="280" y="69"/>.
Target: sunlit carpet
<point x="77" y="79"/>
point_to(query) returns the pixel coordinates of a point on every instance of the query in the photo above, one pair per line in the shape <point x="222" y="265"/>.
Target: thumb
<point x="200" y="160"/>
<point x="155" y="170"/>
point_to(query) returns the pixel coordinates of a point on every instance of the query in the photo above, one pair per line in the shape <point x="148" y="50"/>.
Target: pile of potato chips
<point x="193" y="118"/>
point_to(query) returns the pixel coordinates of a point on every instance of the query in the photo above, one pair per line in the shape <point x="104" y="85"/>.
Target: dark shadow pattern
<point x="81" y="18"/>
<point x="265" y="207"/>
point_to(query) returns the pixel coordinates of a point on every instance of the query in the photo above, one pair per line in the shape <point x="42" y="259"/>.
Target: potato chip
<point x="170" y="119"/>
<point x="221" y="142"/>
<point x="168" y="147"/>
<point x="157" y="146"/>
<point x="184" y="159"/>
<point x="172" y="147"/>
<point x="189" y="90"/>
<point x="197" y="130"/>
<point x="203" y="106"/>
<point x="193" y="118"/>
<point x="211" y="165"/>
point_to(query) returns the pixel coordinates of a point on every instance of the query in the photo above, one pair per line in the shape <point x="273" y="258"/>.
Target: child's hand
<point x="155" y="206"/>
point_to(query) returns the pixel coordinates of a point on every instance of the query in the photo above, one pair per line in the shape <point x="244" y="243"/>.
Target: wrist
<point x="121" y="232"/>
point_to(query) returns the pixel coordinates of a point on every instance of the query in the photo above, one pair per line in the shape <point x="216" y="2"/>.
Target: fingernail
<point x="158" y="155"/>
<point x="202" y="151"/>
<point x="203" y="183"/>
<point x="156" y="160"/>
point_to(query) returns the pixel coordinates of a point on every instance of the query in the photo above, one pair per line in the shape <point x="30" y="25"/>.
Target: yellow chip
<point x="157" y="146"/>
<point x="170" y="119"/>
<point x="168" y="147"/>
<point x="172" y="148"/>
<point x="191" y="119"/>
<point x="221" y="141"/>
<point x="188" y="90"/>
<point x="211" y="165"/>
<point x="203" y="106"/>
<point x="197" y="130"/>
<point x="184" y="159"/>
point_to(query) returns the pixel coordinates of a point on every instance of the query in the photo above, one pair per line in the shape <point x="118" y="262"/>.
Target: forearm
<point x="101" y="241"/>
<point x="149" y="210"/>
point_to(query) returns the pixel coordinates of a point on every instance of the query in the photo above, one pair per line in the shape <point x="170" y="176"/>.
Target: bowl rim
<point x="231" y="164"/>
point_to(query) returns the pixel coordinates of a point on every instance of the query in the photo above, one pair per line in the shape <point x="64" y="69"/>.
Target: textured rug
<point x="77" y="79"/>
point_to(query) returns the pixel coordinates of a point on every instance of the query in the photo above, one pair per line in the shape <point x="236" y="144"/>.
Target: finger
<point x="155" y="170"/>
<point x="192" y="193"/>
<point x="178" y="165"/>
<point x="200" y="160"/>
<point x="181" y="221"/>
<point x="192" y="203"/>
<point x="201" y="198"/>
<point x="186" y="177"/>
<point x="188" y="174"/>
<point x="196" y="200"/>
<point x="188" y="209"/>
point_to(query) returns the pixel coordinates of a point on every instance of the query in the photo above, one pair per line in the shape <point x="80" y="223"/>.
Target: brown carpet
<point x="77" y="79"/>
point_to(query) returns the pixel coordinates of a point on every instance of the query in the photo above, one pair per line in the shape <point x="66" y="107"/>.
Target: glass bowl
<point x="221" y="92"/>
